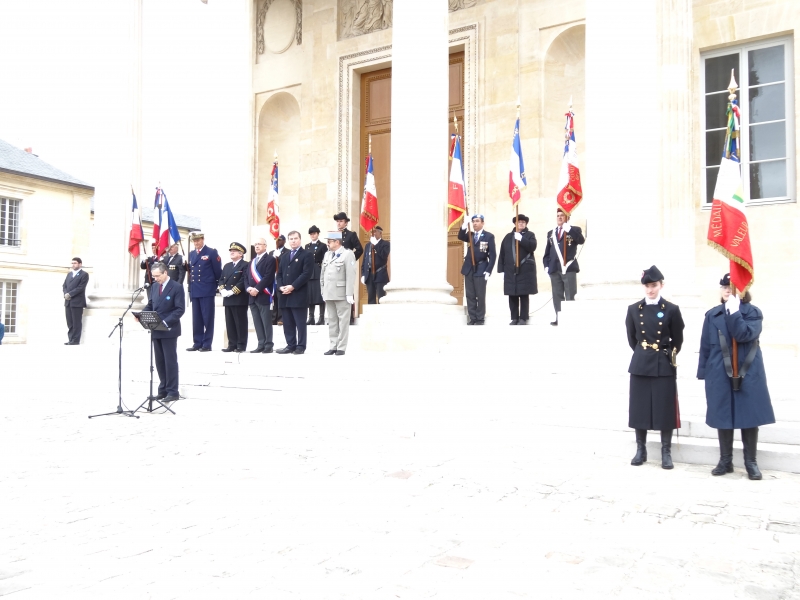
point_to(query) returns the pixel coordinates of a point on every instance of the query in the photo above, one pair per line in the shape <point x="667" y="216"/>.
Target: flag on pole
<point x="156" y="237"/>
<point x="570" y="192"/>
<point x="369" y="202"/>
<point x="136" y="236"/>
<point x="273" y="215"/>
<point x="456" y="196"/>
<point x="728" y="231"/>
<point x="516" y="175"/>
<point x="169" y="233"/>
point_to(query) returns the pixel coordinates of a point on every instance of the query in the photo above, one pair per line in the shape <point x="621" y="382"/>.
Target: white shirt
<point x="652" y="302"/>
<point x="75" y="273"/>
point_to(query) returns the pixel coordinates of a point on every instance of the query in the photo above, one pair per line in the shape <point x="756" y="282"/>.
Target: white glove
<point x="518" y="236"/>
<point x="566" y="227"/>
<point x="486" y="276"/>
<point x="465" y="224"/>
<point x="227" y="293"/>
<point x="276" y="253"/>
<point x="733" y="304"/>
<point x="363" y="280"/>
<point x="547" y="270"/>
<point x="350" y="300"/>
<point x="66" y="296"/>
<point x="373" y="240"/>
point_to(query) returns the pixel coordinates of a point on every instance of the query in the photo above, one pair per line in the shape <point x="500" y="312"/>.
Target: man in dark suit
<point x="235" y="301"/>
<point x="562" y="266"/>
<point x="169" y="301"/>
<point x="74" y="290"/>
<point x="258" y="280"/>
<point x="294" y="273"/>
<point x="374" y="272"/>
<point x="176" y="266"/>
<point x="476" y="276"/>
<point x="318" y="249"/>
<point x="205" y="269"/>
<point x="280" y="250"/>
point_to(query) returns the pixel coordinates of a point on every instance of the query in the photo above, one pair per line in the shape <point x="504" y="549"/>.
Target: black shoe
<point x="204" y="349"/>
<point x="285" y="350"/>
<point x="352" y="321"/>
<point x="666" y="449"/>
<point x="161" y="396"/>
<point x="68" y="343"/>
<point x="171" y="398"/>
<point x="340" y="353"/>
<point x="229" y="349"/>
<point x="329" y="353"/>
<point x="470" y="322"/>
<point x="477" y="323"/>
<point x="267" y="350"/>
<point x="554" y="323"/>
<point x="641" y="448"/>
<point x="523" y="322"/>
<point x="321" y="320"/>
<point x="299" y="351"/>
<point x="750" y="444"/>
<point x="192" y="349"/>
<point x="256" y="351"/>
<point x="240" y="350"/>
<point x="725" y="464"/>
<point x="310" y="319"/>
<point x="514" y="322"/>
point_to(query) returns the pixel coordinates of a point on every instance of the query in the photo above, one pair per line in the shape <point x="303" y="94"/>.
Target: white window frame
<point x="3" y="288"/>
<point x="19" y="223"/>
<point x="744" y="104"/>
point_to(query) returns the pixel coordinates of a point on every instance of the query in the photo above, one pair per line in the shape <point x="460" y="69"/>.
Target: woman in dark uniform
<point x="655" y="334"/>
<point x="748" y="407"/>
<point x="318" y="249"/>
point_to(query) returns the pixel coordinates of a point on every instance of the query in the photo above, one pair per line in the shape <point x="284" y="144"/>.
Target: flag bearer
<point x="477" y="275"/>
<point x="561" y="266"/>
<point x="374" y="269"/>
<point x="519" y="281"/>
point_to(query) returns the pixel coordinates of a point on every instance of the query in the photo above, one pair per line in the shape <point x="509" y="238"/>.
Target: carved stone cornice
<point x="359" y="17"/>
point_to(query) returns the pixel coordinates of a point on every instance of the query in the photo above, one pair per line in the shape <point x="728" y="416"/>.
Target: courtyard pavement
<point x="383" y="477"/>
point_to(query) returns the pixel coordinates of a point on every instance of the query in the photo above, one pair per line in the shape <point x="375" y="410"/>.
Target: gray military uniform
<point x="338" y="280"/>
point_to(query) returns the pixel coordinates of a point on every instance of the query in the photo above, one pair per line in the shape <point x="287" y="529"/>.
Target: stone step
<point x="782" y="432"/>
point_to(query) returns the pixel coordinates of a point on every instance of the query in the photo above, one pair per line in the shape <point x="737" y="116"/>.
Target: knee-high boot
<point x="641" y="448"/>
<point x="310" y="315"/>
<point x="725" y="464"/>
<point x="321" y="320"/>
<point x="666" y="449"/>
<point x="750" y="443"/>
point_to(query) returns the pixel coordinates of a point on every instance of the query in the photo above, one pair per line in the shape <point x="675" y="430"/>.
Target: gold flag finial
<point x="732" y="87"/>
<point x="455" y="122"/>
<point x="570" y="104"/>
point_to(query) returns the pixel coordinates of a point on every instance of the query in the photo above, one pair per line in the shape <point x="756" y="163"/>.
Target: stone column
<point x="419" y="139"/>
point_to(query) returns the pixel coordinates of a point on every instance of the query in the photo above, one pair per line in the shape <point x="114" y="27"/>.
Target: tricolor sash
<point x="256" y="277"/>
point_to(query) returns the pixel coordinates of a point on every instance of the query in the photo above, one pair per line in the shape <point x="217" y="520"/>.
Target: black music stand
<point x="150" y="321"/>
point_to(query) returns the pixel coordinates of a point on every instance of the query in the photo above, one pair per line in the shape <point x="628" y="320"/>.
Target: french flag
<point x="456" y="196"/>
<point x="516" y="176"/>
<point x="136" y="236"/>
<point x="273" y="214"/>
<point x="369" y="202"/>
<point x="570" y="192"/>
<point x="169" y="233"/>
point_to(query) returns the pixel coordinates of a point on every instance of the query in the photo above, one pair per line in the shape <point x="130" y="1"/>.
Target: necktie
<point x="291" y="257"/>
<point x="161" y="291"/>
<point x="477" y="235"/>
<point x="559" y="233"/>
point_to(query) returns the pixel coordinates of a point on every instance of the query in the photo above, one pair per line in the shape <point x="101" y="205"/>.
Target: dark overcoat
<point x="318" y="249"/>
<point x="296" y="272"/>
<point x="751" y="405"/>
<point x="381" y="261"/>
<point x="75" y="286"/>
<point x="170" y="306"/>
<point x="205" y="269"/>
<point x="522" y="283"/>
<point x="351" y="242"/>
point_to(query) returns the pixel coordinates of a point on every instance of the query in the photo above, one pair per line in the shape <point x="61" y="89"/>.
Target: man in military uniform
<point x="235" y="301"/>
<point x="279" y="251"/>
<point x="374" y="272"/>
<point x="351" y="242"/>
<point x="205" y="269"/>
<point x="338" y="288"/>
<point x="477" y="267"/>
<point x="294" y="273"/>
<point x="318" y="249"/>
<point x="176" y="267"/>
<point x="562" y="267"/>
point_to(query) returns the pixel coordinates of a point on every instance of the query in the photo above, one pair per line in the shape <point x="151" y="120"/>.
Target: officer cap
<point x="198" y="234"/>
<point x="341" y="217"/>
<point x="521" y="218"/>
<point x="378" y="227"/>
<point x="726" y="279"/>
<point x="313" y="229"/>
<point x="652" y="275"/>
<point x="334" y="235"/>
<point x="237" y="246"/>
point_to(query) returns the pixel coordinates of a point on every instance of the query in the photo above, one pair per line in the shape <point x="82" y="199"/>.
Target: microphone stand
<point x="120" y="325"/>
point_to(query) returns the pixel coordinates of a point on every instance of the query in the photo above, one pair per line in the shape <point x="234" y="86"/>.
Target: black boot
<point x="641" y="448"/>
<point x="725" y="464"/>
<point x="310" y="315"/>
<point x="750" y="443"/>
<point x="321" y="320"/>
<point x="666" y="449"/>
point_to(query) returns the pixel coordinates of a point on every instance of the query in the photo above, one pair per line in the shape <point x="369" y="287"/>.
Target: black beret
<point x="652" y="275"/>
<point x="726" y="279"/>
<point x="341" y="217"/>
<point x="313" y="229"/>
<point x="281" y="237"/>
<point x="521" y="218"/>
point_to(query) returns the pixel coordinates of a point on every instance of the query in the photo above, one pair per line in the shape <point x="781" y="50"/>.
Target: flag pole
<point x="144" y="248"/>
<point x="372" y="246"/>
<point x="516" y="205"/>
<point x="466" y="210"/>
<point x="732" y="87"/>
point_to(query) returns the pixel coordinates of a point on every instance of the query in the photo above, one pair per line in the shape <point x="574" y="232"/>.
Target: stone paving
<point x="311" y="479"/>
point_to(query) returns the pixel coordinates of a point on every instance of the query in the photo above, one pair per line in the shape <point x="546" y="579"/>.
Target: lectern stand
<point x="150" y="320"/>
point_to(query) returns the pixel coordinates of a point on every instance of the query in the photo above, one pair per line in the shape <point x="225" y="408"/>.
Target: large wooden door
<point x="376" y="122"/>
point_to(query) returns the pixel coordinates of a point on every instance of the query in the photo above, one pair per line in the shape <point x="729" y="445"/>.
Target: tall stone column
<point x="419" y="137"/>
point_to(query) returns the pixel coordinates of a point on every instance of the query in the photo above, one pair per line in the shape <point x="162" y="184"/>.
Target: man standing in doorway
<point x="476" y="276"/>
<point x="259" y="280"/>
<point x="74" y="290"/>
<point x="338" y="288"/>
<point x="559" y="260"/>
<point x="376" y="255"/>
<point x="205" y="268"/>
<point x="294" y="273"/>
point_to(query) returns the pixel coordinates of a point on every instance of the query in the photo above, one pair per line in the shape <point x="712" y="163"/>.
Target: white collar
<point x="652" y="302"/>
<point x="201" y="249"/>
<point x="75" y="273"/>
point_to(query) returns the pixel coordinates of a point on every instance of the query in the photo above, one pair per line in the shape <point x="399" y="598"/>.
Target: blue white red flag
<point x="273" y="214"/>
<point x="136" y="236"/>
<point x="369" y="202"/>
<point x="570" y="192"/>
<point x="516" y="175"/>
<point x="457" y="194"/>
<point x="156" y="237"/>
<point x="170" y="233"/>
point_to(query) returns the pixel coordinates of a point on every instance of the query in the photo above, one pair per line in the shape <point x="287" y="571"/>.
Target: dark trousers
<point x="519" y="306"/>
<point x="262" y="321"/>
<point x="294" y="327"/>
<point x="475" y="291"/>
<point x="236" y="326"/>
<point x="375" y="291"/>
<point x="166" y="355"/>
<point x="74" y="324"/>
<point x="203" y="321"/>
<point x="277" y="311"/>
<point x="564" y="288"/>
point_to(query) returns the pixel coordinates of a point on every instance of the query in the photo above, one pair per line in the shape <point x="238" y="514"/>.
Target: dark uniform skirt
<point x="652" y="403"/>
<point x="315" y="290"/>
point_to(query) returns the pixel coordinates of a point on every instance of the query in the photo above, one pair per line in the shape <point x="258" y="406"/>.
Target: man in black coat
<point x="518" y="282"/>
<point x="277" y="254"/>
<point x="258" y="280"/>
<point x="477" y="275"/>
<point x="560" y="265"/>
<point x="169" y="301"/>
<point x="235" y="301"/>
<point x="375" y="281"/>
<point x="176" y="266"/>
<point x="74" y="290"/>
<point x="294" y="273"/>
<point x="318" y="249"/>
<point x="351" y="242"/>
